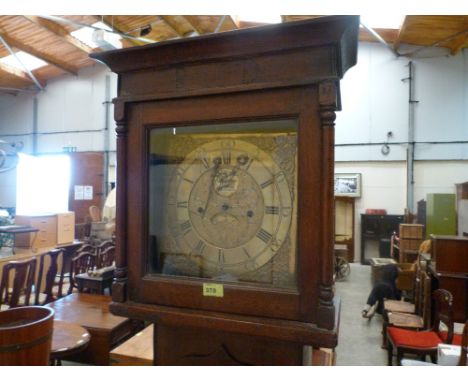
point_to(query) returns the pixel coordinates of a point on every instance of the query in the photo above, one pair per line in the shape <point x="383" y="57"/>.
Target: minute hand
<point x="210" y="192"/>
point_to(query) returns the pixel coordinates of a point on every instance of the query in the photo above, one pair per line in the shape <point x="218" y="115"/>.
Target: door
<point x="87" y="183"/>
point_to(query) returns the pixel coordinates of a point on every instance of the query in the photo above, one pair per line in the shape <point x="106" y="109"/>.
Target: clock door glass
<point x="222" y="202"/>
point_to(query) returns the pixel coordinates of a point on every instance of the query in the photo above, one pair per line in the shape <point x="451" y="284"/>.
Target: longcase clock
<point x="225" y="191"/>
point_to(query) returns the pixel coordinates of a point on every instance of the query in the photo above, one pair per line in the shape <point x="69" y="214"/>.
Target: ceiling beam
<point x="13" y="93"/>
<point x="43" y="56"/>
<point x="401" y="31"/>
<point x="60" y="31"/>
<point x="192" y="21"/>
<point x="17" y="74"/>
<point x="175" y="27"/>
<point x="458" y="42"/>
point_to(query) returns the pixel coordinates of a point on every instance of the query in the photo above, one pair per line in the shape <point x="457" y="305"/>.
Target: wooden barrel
<point x="26" y="336"/>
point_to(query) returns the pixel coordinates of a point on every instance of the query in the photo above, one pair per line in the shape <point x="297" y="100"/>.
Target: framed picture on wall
<point x="348" y="185"/>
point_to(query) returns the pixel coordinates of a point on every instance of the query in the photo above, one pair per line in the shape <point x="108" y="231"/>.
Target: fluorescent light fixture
<point x="260" y="18"/>
<point x="383" y="20"/>
<point x="42" y="184"/>
<point x="98" y="38"/>
<point x="26" y="59"/>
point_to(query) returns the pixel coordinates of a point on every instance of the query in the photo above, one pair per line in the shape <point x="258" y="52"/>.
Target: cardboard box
<point x="448" y="355"/>
<point x="411" y="231"/>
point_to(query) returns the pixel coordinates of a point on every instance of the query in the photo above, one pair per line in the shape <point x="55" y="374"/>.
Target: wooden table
<point x="18" y="229"/>
<point x="92" y="312"/>
<point x="95" y="283"/>
<point x="136" y="351"/>
<point x="67" y="339"/>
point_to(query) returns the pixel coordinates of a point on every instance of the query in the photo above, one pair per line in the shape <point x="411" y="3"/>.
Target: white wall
<point x="375" y="101"/>
<point x="70" y="112"/>
<point x="438" y="177"/>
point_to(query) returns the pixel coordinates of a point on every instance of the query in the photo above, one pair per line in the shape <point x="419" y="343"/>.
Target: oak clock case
<point x="225" y="178"/>
<point x="222" y="202"/>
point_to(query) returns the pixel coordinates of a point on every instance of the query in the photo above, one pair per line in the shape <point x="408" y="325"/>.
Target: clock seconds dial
<point x="233" y="207"/>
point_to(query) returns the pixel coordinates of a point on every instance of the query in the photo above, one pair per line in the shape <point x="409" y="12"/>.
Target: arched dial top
<point x="233" y="206"/>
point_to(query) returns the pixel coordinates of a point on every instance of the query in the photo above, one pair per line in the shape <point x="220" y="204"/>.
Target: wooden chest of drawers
<point x="55" y="229"/>
<point x="45" y="237"/>
<point x="65" y="227"/>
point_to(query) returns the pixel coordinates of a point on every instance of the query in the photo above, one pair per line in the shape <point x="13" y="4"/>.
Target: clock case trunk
<point x="287" y="71"/>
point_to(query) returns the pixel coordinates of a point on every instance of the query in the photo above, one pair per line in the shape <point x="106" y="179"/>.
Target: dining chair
<point x="420" y="320"/>
<point x="81" y="263"/>
<point x="464" y="346"/>
<point x="462" y="361"/>
<point x="17" y="283"/>
<point x="423" y="343"/>
<point x="95" y="213"/>
<point x="51" y="276"/>
<point x="106" y="257"/>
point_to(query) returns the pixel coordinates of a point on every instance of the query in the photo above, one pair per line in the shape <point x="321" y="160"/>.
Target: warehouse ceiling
<point x="56" y="40"/>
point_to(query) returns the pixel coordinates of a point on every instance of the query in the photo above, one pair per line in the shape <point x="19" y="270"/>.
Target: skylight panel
<point x="260" y="18"/>
<point x="382" y="20"/>
<point x="90" y="37"/>
<point x="31" y="62"/>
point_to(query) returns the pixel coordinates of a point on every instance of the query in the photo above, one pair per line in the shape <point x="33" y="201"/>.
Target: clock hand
<point x="210" y="192"/>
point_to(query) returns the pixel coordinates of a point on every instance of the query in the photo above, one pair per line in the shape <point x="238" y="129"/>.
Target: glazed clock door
<point x="227" y="205"/>
<point x="221" y="203"/>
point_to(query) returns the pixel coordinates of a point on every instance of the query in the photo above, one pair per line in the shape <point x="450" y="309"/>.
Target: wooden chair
<point x="421" y="319"/>
<point x="95" y="213"/>
<point x="418" y="321"/>
<point x="407" y="306"/>
<point x="106" y="257"/>
<point x="462" y="361"/>
<point x="86" y="248"/>
<point x="423" y="343"/>
<point x="464" y="346"/>
<point x="81" y="263"/>
<point x="17" y="283"/>
<point x="105" y="244"/>
<point x="54" y="277"/>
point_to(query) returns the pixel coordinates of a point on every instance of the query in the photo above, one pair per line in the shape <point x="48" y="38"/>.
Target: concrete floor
<point x="359" y="340"/>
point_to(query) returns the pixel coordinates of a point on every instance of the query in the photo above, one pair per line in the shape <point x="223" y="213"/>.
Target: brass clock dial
<point x="233" y="207"/>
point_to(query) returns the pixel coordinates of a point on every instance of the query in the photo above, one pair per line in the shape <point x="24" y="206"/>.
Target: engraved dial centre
<point x="229" y="214"/>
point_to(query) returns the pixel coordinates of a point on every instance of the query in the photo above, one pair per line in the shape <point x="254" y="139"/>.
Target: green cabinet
<point x="441" y="218"/>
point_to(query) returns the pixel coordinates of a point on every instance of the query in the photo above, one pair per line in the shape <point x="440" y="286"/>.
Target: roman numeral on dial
<point x="200" y="247"/>
<point x="186" y="226"/>
<point x="205" y="162"/>
<point x="267" y="183"/>
<point x="264" y="235"/>
<point x="226" y="157"/>
<point x="272" y="210"/>
<point x="221" y="258"/>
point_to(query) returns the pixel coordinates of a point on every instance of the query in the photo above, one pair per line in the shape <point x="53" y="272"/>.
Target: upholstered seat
<point x="424" y="342"/>
<point x="407" y="338"/>
<point x="457" y="338"/>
